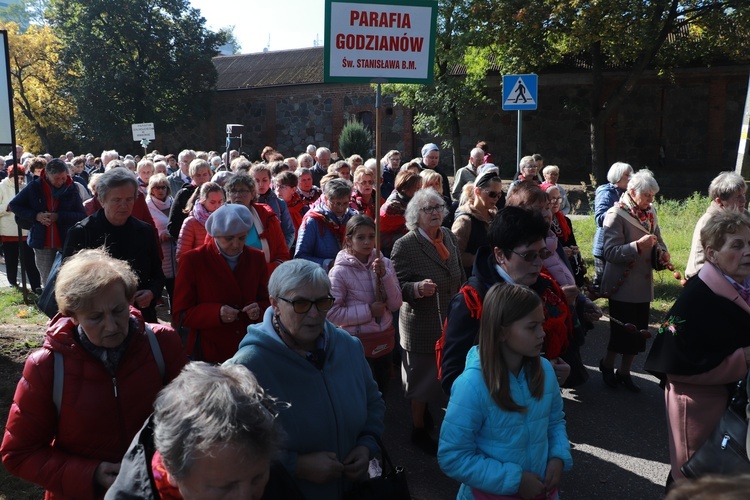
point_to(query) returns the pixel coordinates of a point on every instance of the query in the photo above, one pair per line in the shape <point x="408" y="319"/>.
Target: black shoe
<point x="627" y="381"/>
<point x="421" y="439"/>
<point x="608" y="374"/>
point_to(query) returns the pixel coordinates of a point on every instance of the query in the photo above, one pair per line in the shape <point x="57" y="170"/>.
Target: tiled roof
<point x="270" y="69"/>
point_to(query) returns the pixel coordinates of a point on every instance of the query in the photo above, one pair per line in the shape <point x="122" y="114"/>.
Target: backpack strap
<point x="57" y="381"/>
<point x="156" y="351"/>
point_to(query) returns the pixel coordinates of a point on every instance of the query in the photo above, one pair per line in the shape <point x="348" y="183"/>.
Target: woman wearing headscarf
<point x="221" y="286"/>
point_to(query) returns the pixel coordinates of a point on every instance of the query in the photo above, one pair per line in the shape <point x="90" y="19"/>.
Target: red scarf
<point x="358" y="203"/>
<point x="51" y="235"/>
<point x="561" y="229"/>
<point x="163" y="487"/>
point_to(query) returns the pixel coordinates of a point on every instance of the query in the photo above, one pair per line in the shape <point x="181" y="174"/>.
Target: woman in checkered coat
<point x="429" y="271"/>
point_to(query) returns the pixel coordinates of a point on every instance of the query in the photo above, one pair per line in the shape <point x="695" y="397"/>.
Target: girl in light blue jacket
<point x="504" y="431"/>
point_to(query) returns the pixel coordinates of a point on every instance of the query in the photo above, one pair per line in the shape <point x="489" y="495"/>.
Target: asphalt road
<point x="619" y="439"/>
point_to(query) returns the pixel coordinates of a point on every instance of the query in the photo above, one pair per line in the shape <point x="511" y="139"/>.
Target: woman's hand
<point x="378" y="267"/>
<point x="377" y="309"/>
<point x="252" y="311"/>
<point x="562" y="370"/>
<point x="646" y="242"/>
<point x="568" y="252"/>
<point x="531" y="486"/>
<point x="427" y="288"/>
<point x="44" y="218"/>
<point x="591" y="312"/>
<point x="143" y="298"/>
<point x="571" y="294"/>
<point x="552" y="474"/>
<point x="105" y="474"/>
<point x="356" y="462"/>
<point x="320" y="467"/>
<point x="228" y="314"/>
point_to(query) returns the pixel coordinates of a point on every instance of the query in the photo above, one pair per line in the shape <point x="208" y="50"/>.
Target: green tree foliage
<point x="24" y="13"/>
<point x="134" y="61"/>
<point x="630" y="36"/>
<point x="42" y="116"/>
<point x="355" y="138"/>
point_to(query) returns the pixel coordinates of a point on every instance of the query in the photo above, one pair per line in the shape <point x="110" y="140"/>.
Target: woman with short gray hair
<point x="429" y="270"/>
<point x="213" y="428"/>
<point x="632" y="247"/>
<point x="606" y="197"/>
<point x="302" y="358"/>
<point x="321" y="234"/>
<point x="727" y="192"/>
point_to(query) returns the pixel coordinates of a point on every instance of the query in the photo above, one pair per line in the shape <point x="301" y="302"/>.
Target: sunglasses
<point x="531" y="256"/>
<point x="493" y="194"/>
<point x="301" y="306"/>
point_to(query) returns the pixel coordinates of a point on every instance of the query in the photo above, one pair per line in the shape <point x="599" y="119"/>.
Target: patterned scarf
<point x="309" y="197"/>
<point x="358" y="203"/>
<point x="645" y="217"/>
<point x="326" y="221"/>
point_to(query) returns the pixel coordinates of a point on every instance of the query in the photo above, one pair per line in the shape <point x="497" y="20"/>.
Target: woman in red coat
<point x="89" y="389"/>
<point x="221" y="286"/>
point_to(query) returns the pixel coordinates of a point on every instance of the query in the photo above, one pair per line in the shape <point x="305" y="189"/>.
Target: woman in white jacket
<point x="12" y="245"/>
<point x="367" y="291"/>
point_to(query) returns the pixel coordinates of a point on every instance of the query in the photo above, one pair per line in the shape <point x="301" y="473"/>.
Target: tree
<point x="629" y="35"/>
<point x="42" y="115"/>
<point x="134" y="61"/>
<point x="438" y="107"/>
<point x="24" y="13"/>
<point x="355" y="138"/>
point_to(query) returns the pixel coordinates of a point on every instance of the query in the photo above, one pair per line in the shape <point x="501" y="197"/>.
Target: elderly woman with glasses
<point x="266" y="233"/>
<point x="221" y="286"/>
<point x="429" y="270"/>
<point x="472" y="221"/>
<point x="301" y="358"/>
<point x="363" y="196"/>
<point x="159" y="204"/>
<point x="321" y="235"/>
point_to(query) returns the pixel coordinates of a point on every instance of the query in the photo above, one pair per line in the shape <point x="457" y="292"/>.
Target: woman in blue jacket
<point x="504" y="430"/>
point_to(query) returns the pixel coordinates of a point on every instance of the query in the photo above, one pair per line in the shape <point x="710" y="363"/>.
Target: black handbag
<point x="391" y="484"/>
<point x="725" y="451"/>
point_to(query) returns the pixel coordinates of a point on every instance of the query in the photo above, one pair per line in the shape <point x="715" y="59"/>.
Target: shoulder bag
<point x="725" y="451"/>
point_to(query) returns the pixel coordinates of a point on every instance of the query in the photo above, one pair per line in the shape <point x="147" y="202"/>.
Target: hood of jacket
<point x="344" y="258"/>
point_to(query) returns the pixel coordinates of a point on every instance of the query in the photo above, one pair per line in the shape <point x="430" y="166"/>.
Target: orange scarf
<point x="440" y="246"/>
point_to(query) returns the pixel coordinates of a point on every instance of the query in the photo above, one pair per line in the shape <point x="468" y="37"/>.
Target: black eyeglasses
<point x="433" y="209"/>
<point x="531" y="256"/>
<point x="493" y="194"/>
<point x="301" y="306"/>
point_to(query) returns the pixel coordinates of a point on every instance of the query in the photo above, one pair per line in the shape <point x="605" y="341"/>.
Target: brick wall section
<point x="684" y="127"/>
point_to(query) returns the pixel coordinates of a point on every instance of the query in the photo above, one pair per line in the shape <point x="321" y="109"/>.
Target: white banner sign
<point x="6" y="94"/>
<point x="143" y="131"/>
<point x="379" y="39"/>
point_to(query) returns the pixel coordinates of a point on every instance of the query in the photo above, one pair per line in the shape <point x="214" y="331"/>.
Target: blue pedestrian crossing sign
<point x="519" y="92"/>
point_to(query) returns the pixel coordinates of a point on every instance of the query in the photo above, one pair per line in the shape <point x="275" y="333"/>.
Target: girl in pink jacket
<point x="367" y="292"/>
<point x="205" y="200"/>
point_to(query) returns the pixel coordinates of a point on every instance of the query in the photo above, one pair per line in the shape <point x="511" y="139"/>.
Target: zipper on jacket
<point x="114" y="384"/>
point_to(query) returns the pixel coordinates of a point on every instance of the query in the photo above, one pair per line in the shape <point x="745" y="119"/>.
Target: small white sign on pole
<point x="143" y="131"/>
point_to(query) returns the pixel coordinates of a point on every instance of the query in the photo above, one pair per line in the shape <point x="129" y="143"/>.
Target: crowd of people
<point x="477" y="294"/>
